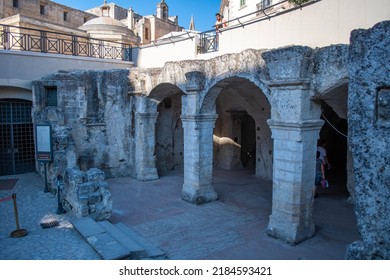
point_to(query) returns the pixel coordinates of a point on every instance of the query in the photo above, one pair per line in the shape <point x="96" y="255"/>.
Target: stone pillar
<point x="293" y="179"/>
<point x="198" y="158"/>
<point x="145" y="141"/>
<point x="295" y="124"/>
<point x="198" y="143"/>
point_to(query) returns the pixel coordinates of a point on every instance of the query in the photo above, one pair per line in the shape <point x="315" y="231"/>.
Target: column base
<point x="199" y="196"/>
<point x="149" y="175"/>
<point x="291" y="233"/>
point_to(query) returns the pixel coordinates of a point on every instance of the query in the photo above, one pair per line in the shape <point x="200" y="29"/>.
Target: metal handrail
<point x="241" y="24"/>
<point x="36" y="40"/>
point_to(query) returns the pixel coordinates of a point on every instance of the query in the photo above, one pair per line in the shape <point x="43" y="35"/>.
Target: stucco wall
<point x="157" y="56"/>
<point x="24" y="67"/>
<point x="320" y="24"/>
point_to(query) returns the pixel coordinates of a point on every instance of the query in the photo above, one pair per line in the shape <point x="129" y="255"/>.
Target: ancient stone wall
<point x="107" y="119"/>
<point x="96" y="110"/>
<point x="369" y="138"/>
<point x="86" y="194"/>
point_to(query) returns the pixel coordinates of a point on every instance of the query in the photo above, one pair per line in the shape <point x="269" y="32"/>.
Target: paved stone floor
<point x="231" y="228"/>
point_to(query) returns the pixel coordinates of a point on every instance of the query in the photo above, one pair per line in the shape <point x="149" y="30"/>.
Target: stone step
<point x="152" y="251"/>
<point x="100" y="240"/>
<point x="137" y="251"/>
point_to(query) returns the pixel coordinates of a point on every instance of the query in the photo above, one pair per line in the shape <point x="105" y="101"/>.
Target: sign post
<point x="44" y="148"/>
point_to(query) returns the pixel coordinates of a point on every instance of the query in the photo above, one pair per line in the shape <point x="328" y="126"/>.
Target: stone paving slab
<point x="231" y="228"/>
<point x="102" y="242"/>
<point x="135" y="249"/>
<point x="152" y="251"/>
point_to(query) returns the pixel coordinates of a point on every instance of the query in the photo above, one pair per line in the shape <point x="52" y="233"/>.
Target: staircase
<point x="116" y="241"/>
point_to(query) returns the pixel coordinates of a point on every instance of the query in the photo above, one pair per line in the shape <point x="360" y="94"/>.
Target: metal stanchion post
<point x="60" y="209"/>
<point x="46" y="187"/>
<point x="18" y="232"/>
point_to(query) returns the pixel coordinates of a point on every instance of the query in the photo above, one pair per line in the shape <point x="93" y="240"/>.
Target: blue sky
<point x="202" y="10"/>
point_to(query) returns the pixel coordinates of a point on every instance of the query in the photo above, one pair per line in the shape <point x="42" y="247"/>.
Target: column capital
<point x="143" y="117"/>
<point x="295" y="130"/>
<point x="199" y="118"/>
<point x="146" y="115"/>
<point x="288" y="63"/>
<point x="305" y="125"/>
<point x="195" y="82"/>
<point x="290" y="84"/>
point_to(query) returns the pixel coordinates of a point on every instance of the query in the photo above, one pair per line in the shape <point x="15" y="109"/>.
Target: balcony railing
<point x="35" y="40"/>
<point x="208" y="42"/>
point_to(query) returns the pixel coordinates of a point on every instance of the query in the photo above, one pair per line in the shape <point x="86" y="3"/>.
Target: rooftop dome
<point x="107" y="28"/>
<point x="104" y="21"/>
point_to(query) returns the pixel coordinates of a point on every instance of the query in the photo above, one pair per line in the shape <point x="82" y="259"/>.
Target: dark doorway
<point x="333" y="132"/>
<point x="17" y="150"/>
<point x="248" y="142"/>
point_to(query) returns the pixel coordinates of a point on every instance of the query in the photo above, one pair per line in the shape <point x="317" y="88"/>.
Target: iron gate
<point x="17" y="152"/>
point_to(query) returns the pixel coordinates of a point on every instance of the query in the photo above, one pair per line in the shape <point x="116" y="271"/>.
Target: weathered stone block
<point x="84" y="189"/>
<point x="75" y="176"/>
<point x="83" y="211"/>
<point x="95" y="198"/>
<point x="92" y="208"/>
<point x="103" y="186"/>
<point x="83" y="200"/>
<point x="95" y="175"/>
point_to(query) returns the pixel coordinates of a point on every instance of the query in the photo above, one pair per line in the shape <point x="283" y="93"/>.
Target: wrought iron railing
<point x="35" y="40"/>
<point x="208" y="42"/>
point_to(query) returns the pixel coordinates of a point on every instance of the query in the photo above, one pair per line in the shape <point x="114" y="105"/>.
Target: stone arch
<point x="228" y="79"/>
<point x="237" y="100"/>
<point x="15" y="92"/>
<point x="164" y="90"/>
<point x="330" y="87"/>
<point x="334" y="108"/>
<point x="169" y="149"/>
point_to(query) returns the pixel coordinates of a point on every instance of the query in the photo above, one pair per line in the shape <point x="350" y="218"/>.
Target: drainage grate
<point x="50" y="224"/>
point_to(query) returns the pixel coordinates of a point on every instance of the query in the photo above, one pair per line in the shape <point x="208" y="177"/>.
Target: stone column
<point x="198" y="143"/>
<point x="295" y="124"/>
<point x="145" y="141"/>
<point x="293" y="179"/>
<point x="198" y="158"/>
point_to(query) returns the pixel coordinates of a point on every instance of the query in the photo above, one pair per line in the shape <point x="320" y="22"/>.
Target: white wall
<point x="158" y="55"/>
<point x="323" y="23"/>
<point x="320" y="24"/>
<point x="236" y="10"/>
<point x="19" y="68"/>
